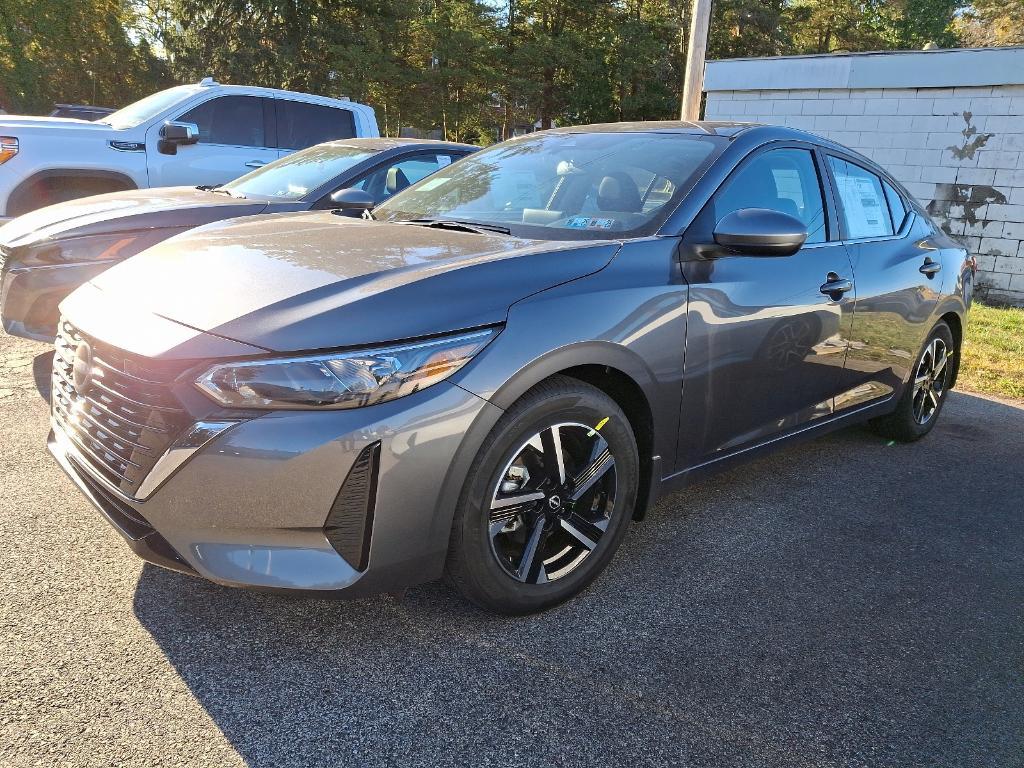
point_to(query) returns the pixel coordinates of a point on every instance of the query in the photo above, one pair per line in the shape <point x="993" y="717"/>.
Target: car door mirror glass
<point x="760" y="232"/>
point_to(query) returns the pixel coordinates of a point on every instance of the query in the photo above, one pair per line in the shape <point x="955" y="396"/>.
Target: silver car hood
<point x="289" y="282"/>
<point x="165" y="207"/>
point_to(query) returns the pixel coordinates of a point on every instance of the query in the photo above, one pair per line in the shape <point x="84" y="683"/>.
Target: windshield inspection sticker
<point x="585" y="222"/>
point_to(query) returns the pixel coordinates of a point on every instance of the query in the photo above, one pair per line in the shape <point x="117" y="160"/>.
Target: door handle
<point x="835" y="286"/>
<point x="930" y="267"/>
<point x="255" y="164"/>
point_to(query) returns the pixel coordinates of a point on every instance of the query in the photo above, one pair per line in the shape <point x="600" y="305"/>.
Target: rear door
<point x="765" y="342"/>
<point x="235" y="136"/>
<point x="898" y="272"/>
<point x="301" y="124"/>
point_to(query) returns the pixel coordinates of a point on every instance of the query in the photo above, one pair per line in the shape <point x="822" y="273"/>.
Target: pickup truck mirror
<point x="352" y="201"/>
<point x="174" y="134"/>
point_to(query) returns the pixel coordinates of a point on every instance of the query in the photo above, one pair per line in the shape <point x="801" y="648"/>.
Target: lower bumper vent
<point x="350" y="521"/>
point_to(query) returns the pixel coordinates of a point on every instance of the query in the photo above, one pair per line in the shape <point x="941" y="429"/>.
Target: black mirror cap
<point x="352" y="200"/>
<point x="180" y="133"/>
<point x="760" y="232"/>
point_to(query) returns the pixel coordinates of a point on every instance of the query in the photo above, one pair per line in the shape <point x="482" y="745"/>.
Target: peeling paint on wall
<point x="970" y="196"/>
<point x="973" y="141"/>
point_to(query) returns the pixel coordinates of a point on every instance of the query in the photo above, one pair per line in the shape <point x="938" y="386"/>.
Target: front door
<point x="766" y="336"/>
<point x="898" y="270"/>
<point x="234" y="138"/>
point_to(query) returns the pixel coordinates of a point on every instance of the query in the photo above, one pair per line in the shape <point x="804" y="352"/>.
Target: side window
<point x="897" y="208"/>
<point x="783" y="180"/>
<point x="233" y="120"/>
<point x="387" y="179"/>
<point x="865" y="209"/>
<point x="301" y="125"/>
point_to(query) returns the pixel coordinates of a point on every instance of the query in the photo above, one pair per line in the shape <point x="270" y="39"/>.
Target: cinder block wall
<point x="958" y="149"/>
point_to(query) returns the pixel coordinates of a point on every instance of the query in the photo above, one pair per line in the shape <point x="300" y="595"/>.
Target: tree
<point x="992" y="22"/>
<point x="72" y="50"/>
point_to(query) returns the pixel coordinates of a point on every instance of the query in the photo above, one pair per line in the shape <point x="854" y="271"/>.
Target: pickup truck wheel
<point x="50" y="190"/>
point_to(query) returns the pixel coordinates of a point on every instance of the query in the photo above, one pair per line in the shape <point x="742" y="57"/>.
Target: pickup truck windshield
<point x="293" y="176"/>
<point x="595" y="185"/>
<point x="142" y="110"/>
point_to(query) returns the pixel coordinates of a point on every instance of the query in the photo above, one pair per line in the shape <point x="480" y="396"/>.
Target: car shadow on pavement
<point x="42" y="373"/>
<point x="843" y="601"/>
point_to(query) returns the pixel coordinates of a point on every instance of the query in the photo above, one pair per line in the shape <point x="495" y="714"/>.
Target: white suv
<point x="203" y="134"/>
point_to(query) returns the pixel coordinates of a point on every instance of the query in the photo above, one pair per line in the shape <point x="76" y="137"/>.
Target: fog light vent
<point x="350" y="521"/>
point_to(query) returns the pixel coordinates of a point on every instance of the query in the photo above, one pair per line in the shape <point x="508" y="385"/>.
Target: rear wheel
<point x="925" y="394"/>
<point x="547" y="502"/>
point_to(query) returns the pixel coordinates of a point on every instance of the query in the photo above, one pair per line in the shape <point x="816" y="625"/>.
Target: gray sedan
<point x="46" y="254"/>
<point x="495" y="376"/>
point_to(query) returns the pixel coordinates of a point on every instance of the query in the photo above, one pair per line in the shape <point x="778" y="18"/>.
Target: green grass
<point x="992" y="360"/>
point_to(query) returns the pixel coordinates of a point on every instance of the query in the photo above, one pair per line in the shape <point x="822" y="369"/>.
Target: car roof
<point x="693" y="127"/>
<point x="383" y="143"/>
<point x="755" y="133"/>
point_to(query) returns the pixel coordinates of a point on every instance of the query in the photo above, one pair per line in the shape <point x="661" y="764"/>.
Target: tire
<point x="574" y="538"/>
<point x="906" y="424"/>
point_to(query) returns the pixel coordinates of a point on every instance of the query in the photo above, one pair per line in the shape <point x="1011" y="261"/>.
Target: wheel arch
<point x="630" y="397"/>
<point x="618" y="372"/>
<point x="956" y="327"/>
<point x="21" y="192"/>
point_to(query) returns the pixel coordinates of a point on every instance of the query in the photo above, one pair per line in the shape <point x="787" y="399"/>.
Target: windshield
<point x="296" y="174"/>
<point x="563" y="185"/>
<point x="142" y="110"/>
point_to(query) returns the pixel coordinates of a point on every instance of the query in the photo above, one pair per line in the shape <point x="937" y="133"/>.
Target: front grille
<point x="126" y="418"/>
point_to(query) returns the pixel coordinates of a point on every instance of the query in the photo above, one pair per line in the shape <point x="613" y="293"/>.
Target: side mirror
<point x="760" y="232"/>
<point x="173" y="135"/>
<point x="352" y="201"/>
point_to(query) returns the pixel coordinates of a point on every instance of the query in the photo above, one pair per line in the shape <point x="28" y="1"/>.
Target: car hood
<point x="167" y="207"/>
<point x="55" y="125"/>
<point x="291" y="282"/>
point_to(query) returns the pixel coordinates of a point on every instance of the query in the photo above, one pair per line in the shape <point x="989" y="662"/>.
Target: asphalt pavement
<point x="845" y="602"/>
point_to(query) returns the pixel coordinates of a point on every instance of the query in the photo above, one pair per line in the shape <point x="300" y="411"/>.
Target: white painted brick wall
<point x="959" y="150"/>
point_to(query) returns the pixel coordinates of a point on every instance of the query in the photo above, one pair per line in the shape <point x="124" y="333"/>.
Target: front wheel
<point x="547" y="501"/>
<point x="925" y="394"/>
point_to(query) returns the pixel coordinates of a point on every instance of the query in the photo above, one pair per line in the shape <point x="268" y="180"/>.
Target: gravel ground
<point x="841" y="603"/>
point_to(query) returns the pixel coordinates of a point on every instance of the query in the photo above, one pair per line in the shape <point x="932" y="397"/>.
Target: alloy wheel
<point x="552" y="503"/>
<point x="930" y="380"/>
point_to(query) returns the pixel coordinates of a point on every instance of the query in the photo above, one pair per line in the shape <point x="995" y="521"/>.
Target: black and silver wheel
<point x="548" y="500"/>
<point x="922" y="401"/>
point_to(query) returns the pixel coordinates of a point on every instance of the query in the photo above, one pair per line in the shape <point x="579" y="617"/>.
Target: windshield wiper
<point x="221" y="191"/>
<point x="460" y="226"/>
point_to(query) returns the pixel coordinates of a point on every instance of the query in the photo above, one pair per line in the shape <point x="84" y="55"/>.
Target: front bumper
<point x="250" y="507"/>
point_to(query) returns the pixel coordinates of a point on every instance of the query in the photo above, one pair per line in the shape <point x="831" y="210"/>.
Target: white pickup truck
<point x="202" y="134"/>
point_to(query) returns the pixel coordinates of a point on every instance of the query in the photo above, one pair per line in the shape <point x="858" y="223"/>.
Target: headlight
<point x="342" y="379"/>
<point x="75" y="250"/>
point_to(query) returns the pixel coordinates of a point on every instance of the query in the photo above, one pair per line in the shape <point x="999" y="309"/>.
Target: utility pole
<point x="693" y="84"/>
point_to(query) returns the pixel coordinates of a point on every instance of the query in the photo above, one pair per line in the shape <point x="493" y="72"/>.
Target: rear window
<point x="865" y="209"/>
<point x="301" y="125"/>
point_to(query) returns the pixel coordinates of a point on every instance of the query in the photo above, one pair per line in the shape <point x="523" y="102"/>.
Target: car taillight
<point x="8" y="148"/>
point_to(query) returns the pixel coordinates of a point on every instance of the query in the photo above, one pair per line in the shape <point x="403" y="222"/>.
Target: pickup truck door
<point x="236" y="135"/>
